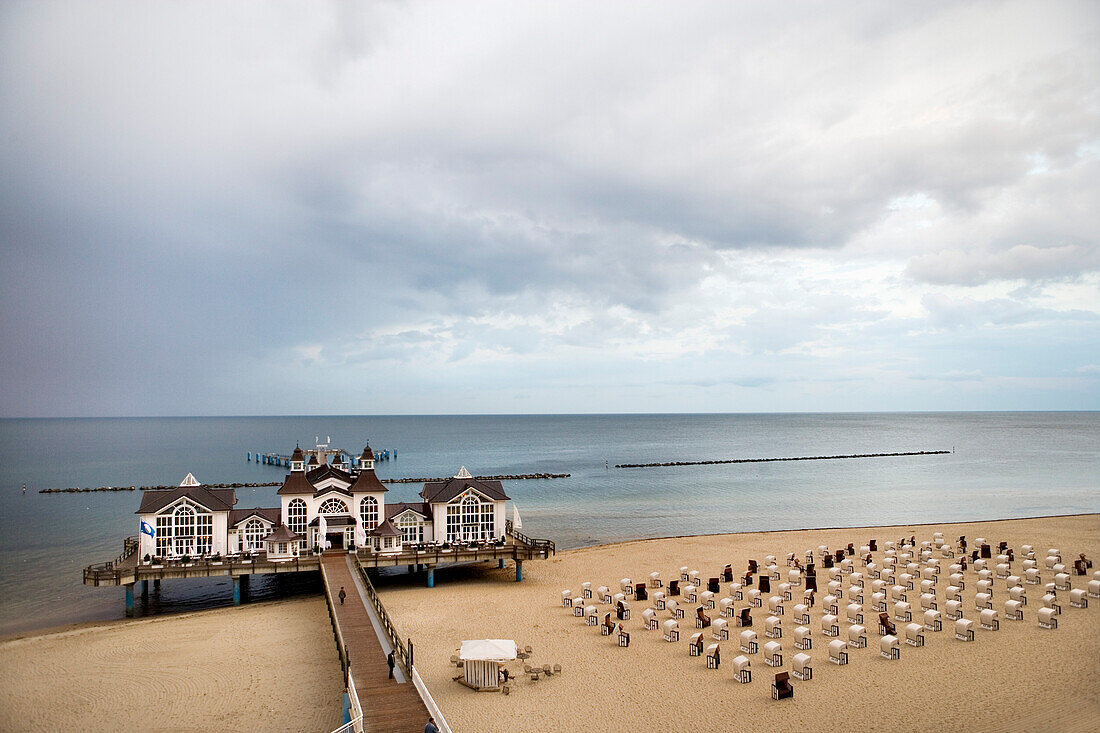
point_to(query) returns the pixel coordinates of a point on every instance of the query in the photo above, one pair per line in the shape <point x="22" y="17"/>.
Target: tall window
<point x="412" y="529"/>
<point x="204" y="533"/>
<point x="164" y="535"/>
<point x="470" y="519"/>
<point x="368" y="512"/>
<point x="333" y="506"/>
<point x="296" y="516"/>
<point x="254" y="533"/>
<point x="183" y="530"/>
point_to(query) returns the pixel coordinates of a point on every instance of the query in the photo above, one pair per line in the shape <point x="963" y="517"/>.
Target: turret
<point x="297" y="460"/>
<point x="366" y="461"/>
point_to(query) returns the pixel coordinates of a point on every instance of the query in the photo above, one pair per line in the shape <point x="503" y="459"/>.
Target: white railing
<point x="429" y="702"/>
<point x="355" y="725"/>
<point x="356" y="706"/>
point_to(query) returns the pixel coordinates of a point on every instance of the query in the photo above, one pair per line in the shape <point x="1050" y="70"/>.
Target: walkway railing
<point x="547" y="546"/>
<point x="402" y="654"/>
<point x="110" y="572"/>
<point x="355" y="725"/>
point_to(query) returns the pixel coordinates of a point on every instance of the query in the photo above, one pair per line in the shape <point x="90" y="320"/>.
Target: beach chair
<point x="984" y="586"/>
<point x="720" y="630"/>
<point x="752" y="567"/>
<point x="889" y="648"/>
<point x="713" y="656"/>
<point x="906" y="580"/>
<point x="764" y="584"/>
<point x="809" y="555"/>
<point x="640" y="592"/>
<point x="773" y="654"/>
<point x="914" y="635"/>
<point x="591" y="615"/>
<point x="903" y="612"/>
<point x="1014" y="581"/>
<point x="899" y="593"/>
<point x="672" y="630"/>
<point x="953" y="609"/>
<point x="607" y="628"/>
<point x="694" y="579"/>
<point x="885" y="625"/>
<point x="754" y="597"/>
<point x="802" y="638"/>
<point x="586" y="590"/>
<point x="856" y="580"/>
<point x="707" y="599"/>
<point x="702" y="621"/>
<point x="801" y="613"/>
<point x="603" y="593"/>
<point x="726" y="609"/>
<point x="952" y="593"/>
<point x="811" y="583"/>
<point x="1047" y="618"/>
<point x="578" y="607"/>
<point x="1002" y="570"/>
<point x="626" y="585"/>
<point x="964" y="629"/>
<point x="736" y="591"/>
<point x="929" y="575"/>
<point x="674" y="609"/>
<point x="1094" y="589"/>
<point x="1052" y="560"/>
<point x="622" y="636"/>
<point x="1032" y="576"/>
<point x="829" y="625"/>
<point x="655" y="579"/>
<point x="855" y="594"/>
<point x="617" y="598"/>
<point x="773" y="627"/>
<point x="932" y="621"/>
<point x="691" y="593"/>
<point x="1062" y="581"/>
<point x="567" y="599"/>
<point x="928" y="601"/>
<point x="847" y="567"/>
<point x="713" y="585"/>
<point x="857" y="636"/>
<point x="775" y="605"/>
<point x="744" y="619"/>
<point x="827" y="561"/>
<point x="855" y="613"/>
<point x="838" y="652"/>
<point x="727" y="574"/>
<point x="673" y="588"/>
<point x="748" y="642"/>
<point x="659" y="600"/>
<point x="878" y="602"/>
<point x="928" y="586"/>
<point x="769" y="560"/>
<point x="834" y="575"/>
<point x="978" y="566"/>
<point x="695" y="644"/>
<point x="1078" y="598"/>
<point x="684" y="574"/>
<point x="649" y="618"/>
<point x="622" y="611"/>
<point x="982" y="601"/>
<point x="830" y="604"/>
<point x="1029" y="564"/>
<point x="742" y="669"/>
<point x="987" y="619"/>
<point x="785" y="591"/>
<point x="1014" y="611"/>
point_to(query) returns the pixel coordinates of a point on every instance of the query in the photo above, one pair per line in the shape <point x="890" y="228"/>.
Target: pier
<point x="778" y="460"/>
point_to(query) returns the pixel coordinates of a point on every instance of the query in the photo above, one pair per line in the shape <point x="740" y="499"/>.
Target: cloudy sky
<point x="375" y="208"/>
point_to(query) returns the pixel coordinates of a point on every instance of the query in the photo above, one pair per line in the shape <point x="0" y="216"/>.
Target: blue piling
<point x="519" y="571"/>
<point x="129" y="599"/>
<point x="500" y="563"/>
<point x="431" y="577"/>
<point x="236" y="591"/>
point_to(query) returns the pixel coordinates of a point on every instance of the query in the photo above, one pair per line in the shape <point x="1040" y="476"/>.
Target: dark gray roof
<point x="269" y="514"/>
<point x="392" y="510"/>
<point x="339" y="520"/>
<point x="325" y="471"/>
<point x="283" y="534"/>
<point x="367" y="481"/>
<point x="443" y="491"/>
<point x="296" y="483"/>
<point x="386" y="529"/>
<point x="216" y="500"/>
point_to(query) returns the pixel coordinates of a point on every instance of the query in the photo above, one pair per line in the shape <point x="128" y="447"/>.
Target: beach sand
<point x="271" y="667"/>
<point x="1018" y="678"/>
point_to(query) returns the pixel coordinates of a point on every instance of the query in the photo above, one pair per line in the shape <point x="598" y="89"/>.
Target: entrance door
<point x="471" y="533"/>
<point x="336" y="540"/>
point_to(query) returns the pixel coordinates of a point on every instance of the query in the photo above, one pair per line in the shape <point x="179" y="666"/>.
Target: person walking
<point x="343" y="595"/>
<point x="430" y="727"/>
<point x="389" y="663"/>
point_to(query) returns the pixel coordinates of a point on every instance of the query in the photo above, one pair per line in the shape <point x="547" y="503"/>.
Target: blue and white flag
<point x="147" y="528"/>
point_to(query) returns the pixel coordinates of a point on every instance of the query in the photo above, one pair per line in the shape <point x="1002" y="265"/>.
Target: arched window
<point x="296" y="516"/>
<point x="254" y="533"/>
<point x="470" y="519"/>
<point x="412" y="530"/>
<point x="368" y="513"/>
<point x="333" y="506"/>
<point x="183" y="529"/>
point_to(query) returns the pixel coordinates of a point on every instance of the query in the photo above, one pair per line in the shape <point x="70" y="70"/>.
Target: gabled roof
<point x="443" y="491"/>
<point x="367" y="481"/>
<point x="283" y="534"/>
<point x="424" y="510"/>
<point x="386" y="529"/>
<point x="296" y="483"/>
<point x="313" y="460"/>
<point x="334" y="520"/>
<point x="215" y="500"/>
<point x="271" y="515"/>
<point x="324" y="471"/>
<point x="190" y="480"/>
<point x="368" y="454"/>
<point x="297" y="455"/>
<point x="332" y="490"/>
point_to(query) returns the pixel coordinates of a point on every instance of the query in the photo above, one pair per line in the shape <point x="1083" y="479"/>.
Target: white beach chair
<point x="984" y="586"/>
<point x="847" y="567"/>
<point x="1002" y="570"/>
<point x="773" y="627"/>
<point x="928" y="586"/>
<point x="748" y="641"/>
<point x="691" y="593"/>
<point x="906" y="580"/>
<point x="578" y="607"/>
<point x="932" y="621"/>
<point x="855" y="594"/>
<point x="964" y="629"/>
<point x="784" y="591"/>
<point x="591" y="615"/>
<point x="914" y="635"/>
<point x="1029" y="564"/>
<point x="707" y="599"/>
<point x="794" y="577"/>
<point x="987" y="619"/>
<point x="1062" y="581"/>
<point x="953" y="609"/>
<point x="801" y="613"/>
<point x="649" y="617"/>
<point x="1027" y="549"/>
<point x="659" y="600"/>
<point x="835" y="589"/>
<point x="770" y="560"/>
<point x="695" y="644"/>
<point x="830" y="604"/>
<point x="615" y="599"/>
<point x="655" y="579"/>
<point x="720" y="629"/>
<point x="809" y="555"/>
<point x="978" y="566"/>
<point x="873" y="570"/>
<point x="1047" y="618"/>
<point x="889" y="648"/>
<point x="790" y="559"/>
<point x="736" y="591"/>
<point x="888" y="575"/>
<point x="775" y="605"/>
<point x="1094" y="589"/>
<point x="808" y="597"/>
<point x="742" y="669"/>
<point x="829" y="625"/>
<point x="903" y="612"/>
<point x="982" y="601"/>
<point x="1018" y="593"/>
<point x="694" y="579"/>
<point x="802" y="638"/>
<point x="674" y="608"/>
<point x="713" y="656"/>
<point x="1032" y="576"/>
<point x="1078" y="598"/>
<point x="929" y="575"/>
<point x="898" y="593"/>
<point x="567" y="599"/>
<point x="626" y="586"/>
<point x="773" y="654"/>
<point x="878" y="602"/>
<point x="1014" y="581"/>
<point x="928" y="601"/>
<point x="603" y="593"/>
<point x="725" y="608"/>
<point x="672" y="630"/>
<point x="586" y="590"/>
<point x="684" y="574"/>
<point x="754" y="597"/>
<point x="1014" y="611"/>
<point x="857" y="636"/>
<point x="833" y="573"/>
<point x="838" y="652"/>
<point x="946" y="552"/>
<point x="802" y="667"/>
<point x="855" y="613"/>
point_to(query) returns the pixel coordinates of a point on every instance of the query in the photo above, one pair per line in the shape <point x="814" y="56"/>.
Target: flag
<point x="517" y="523"/>
<point x="322" y="532"/>
<point x="147" y="528"/>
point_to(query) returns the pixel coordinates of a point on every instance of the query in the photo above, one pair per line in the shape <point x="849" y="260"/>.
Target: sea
<point x="1001" y="465"/>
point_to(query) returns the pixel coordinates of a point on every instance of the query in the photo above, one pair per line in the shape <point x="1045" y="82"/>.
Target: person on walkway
<point x="389" y="663"/>
<point x="343" y="595"/>
<point x="430" y="727"/>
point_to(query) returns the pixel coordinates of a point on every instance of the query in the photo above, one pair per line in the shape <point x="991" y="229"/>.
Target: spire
<point x="190" y="480"/>
<point x="463" y="473"/>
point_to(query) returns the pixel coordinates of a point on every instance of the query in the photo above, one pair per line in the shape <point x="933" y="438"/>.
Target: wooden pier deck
<point x="388" y="705"/>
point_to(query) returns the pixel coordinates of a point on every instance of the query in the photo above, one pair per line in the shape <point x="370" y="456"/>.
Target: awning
<point x="494" y="650"/>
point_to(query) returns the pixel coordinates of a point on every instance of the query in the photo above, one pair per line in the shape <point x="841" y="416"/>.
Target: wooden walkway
<point x="388" y="706"/>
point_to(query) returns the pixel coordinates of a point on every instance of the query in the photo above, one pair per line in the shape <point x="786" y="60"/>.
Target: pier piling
<point x="500" y="563"/>
<point x="431" y="576"/>
<point x="129" y="599"/>
<point x="519" y="571"/>
<point x="236" y="591"/>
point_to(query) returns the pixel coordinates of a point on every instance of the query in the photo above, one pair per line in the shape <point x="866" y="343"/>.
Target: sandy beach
<point x="271" y="666"/>
<point x="1018" y="678"/>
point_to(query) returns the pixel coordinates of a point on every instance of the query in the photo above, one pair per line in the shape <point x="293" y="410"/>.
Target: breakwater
<point x="500" y="477"/>
<point x="776" y="460"/>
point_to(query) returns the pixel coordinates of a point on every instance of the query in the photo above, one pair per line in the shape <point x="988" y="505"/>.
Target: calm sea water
<point x="1004" y="465"/>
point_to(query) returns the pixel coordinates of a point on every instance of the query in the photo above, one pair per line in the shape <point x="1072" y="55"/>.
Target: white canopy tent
<point x="482" y="659"/>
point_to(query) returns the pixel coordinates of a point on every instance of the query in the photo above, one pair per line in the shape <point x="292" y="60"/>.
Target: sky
<point x="437" y="207"/>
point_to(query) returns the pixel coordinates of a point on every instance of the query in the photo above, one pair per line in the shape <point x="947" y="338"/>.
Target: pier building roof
<point x="268" y="514"/>
<point x="282" y="534"/>
<point x="296" y="483"/>
<point x="386" y="529"/>
<point x="215" y="500"/>
<point x="367" y="481"/>
<point x="424" y="510"/>
<point x="435" y="492"/>
<point x="334" y="520"/>
<point x="324" y="471"/>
